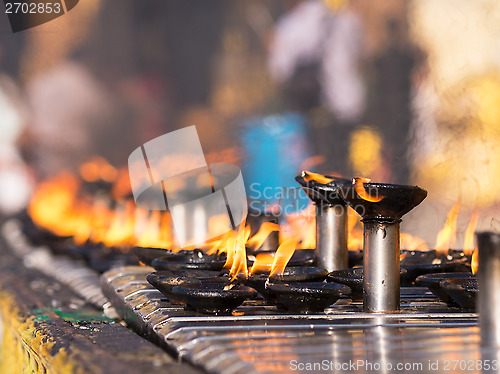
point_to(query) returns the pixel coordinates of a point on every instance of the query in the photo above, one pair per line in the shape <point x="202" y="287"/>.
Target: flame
<point x="230" y="244"/>
<point x="446" y="237"/>
<point x="155" y="232"/>
<point x="100" y="217"/>
<point x="361" y="191"/>
<point x="474" y="261"/>
<point x="283" y="255"/>
<point x="53" y="201"/>
<point x="236" y="252"/>
<point x="310" y="176"/>
<point x="263" y="263"/>
<point x="260" y="237"/>
<point x="121" y="229"/>
<point x="58" y="206"/>
<point x="55" y="206"/>
<point x="81" y="222"/>
<point x="219" y="245"/>
<point x="469" y="233"/>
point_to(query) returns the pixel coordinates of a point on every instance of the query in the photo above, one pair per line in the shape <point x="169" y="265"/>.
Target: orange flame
<point x="469" y="233"/>
<point x="446" y="237"/>
<point x="121" y="229"/>
<point x="474" y="261"/>
<point x="260" y="237"/>
<point x="57" y="206"/>
<point x="310" y="176"/>
<point x="239" y="254"/>
<point x="100" y="217"/>
<point x="361" y="191"/>
<point x="81" y="222"/>
<point x="219" y="245"/>
<point x="283" y="255"/>
<point x="156" y="231"/>
<point x="263" y="263"/>
<point x="53" y="202"/>
<point x="230" y="244"/>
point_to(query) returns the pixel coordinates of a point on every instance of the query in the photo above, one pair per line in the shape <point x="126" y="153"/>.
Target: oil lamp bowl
<point x="166" y="280"/>
<point x="192" y="259"/>
<point x="427" y="262"/>
<point x="290" y="275"/>
<point x="306" y="297"/>
<point x="397" y="200"/>
<point x="463" y="291"/>
<point x="433" y="283"/>
<point x="321" y="193"/>
<point x="212" y="298"/>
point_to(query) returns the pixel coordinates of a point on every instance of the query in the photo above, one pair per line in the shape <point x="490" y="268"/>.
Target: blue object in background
<point x="275" y="146"/>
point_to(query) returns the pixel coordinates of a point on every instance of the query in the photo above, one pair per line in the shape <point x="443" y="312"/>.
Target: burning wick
<point x="360" y="190"/>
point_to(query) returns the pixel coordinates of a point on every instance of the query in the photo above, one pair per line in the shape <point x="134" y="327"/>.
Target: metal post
<point x="331" y="236"/>
<point x="489" y="293"/>
<point x="381" y="266"/>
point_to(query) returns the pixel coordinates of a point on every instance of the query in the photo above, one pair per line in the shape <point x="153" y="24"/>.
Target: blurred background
<point x="398" y="91"/>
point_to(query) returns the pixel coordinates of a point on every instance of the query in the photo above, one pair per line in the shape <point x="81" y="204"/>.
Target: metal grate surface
<point x="426" y="337"/>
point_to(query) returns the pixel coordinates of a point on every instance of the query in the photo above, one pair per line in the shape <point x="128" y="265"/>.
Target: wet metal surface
<point x="425" y="337"/>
